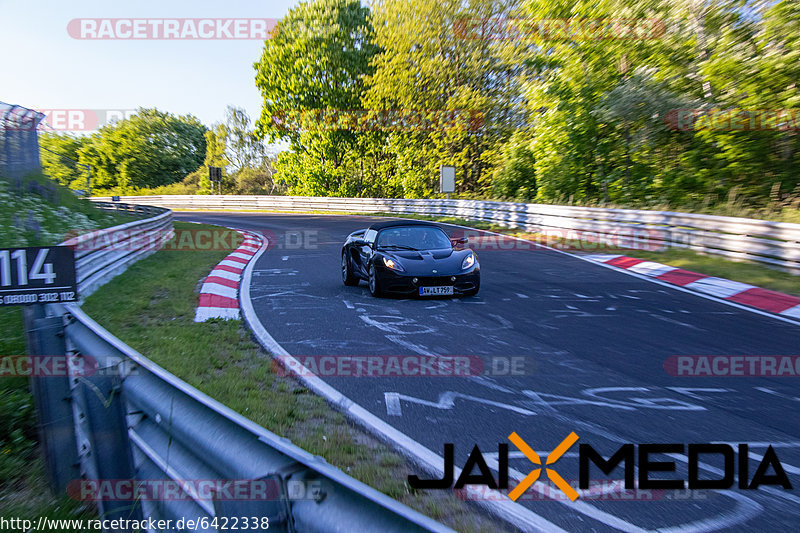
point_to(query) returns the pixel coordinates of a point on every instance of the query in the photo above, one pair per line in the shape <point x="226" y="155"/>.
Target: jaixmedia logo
<point x="629" y="457"/>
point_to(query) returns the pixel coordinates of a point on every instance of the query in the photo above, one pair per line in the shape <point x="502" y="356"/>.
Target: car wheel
<point x="348" y="277"/>
<point x="374" y="285"/>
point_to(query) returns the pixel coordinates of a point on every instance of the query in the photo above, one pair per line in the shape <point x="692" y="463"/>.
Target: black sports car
<point x="410" y="257"/>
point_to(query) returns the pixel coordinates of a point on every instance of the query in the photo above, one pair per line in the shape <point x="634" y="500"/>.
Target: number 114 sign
<point x="37" y="275"/>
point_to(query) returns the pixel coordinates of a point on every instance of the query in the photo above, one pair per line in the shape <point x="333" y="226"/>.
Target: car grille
<point x="434" y="281"/>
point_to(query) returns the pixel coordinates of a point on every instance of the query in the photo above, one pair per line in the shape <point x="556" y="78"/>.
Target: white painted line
<point x="393" y="404"/>
<point x="240" y="255"/>
<point x="601" y="258"/>
<point x="205" y="313"/>
<point x="791" y="444"/>
<point x="234" y="264"/>
<point x="649" y="268"/>
<point x="224" y="274"/>
<point x="219" y="290"/>
<point x="792" y="311"/>
<point x="719" y="287"/>
<point x="786" y="466"/>
<point x="418" y="348"/>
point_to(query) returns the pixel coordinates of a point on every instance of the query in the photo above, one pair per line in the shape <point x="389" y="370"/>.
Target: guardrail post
<point x="102" y="432"/>
<point x="52" y="399"/>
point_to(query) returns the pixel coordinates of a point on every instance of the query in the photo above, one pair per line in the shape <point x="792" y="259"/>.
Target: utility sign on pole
<point x="37" y="275"/>
<point x="215" y="176"/>
<point x="447" y="180"/>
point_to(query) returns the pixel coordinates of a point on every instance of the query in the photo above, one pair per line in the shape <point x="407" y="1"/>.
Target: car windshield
<point x="413" y="238"/>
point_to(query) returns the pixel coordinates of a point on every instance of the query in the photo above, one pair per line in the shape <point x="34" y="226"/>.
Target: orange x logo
<point x="552" y="474"/>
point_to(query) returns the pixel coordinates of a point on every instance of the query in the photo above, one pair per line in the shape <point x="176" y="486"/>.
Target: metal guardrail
<point x="133" y="420"/>
<point x="773" y="243"/>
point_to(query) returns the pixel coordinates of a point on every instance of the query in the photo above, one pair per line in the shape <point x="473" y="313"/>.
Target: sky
<point x="48" y="69"/>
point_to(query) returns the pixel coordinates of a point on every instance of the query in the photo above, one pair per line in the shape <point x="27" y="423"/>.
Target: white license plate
<point x="435" y="291"/>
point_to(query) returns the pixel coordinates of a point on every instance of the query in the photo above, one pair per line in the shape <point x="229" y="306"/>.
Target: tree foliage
<point x="150" y="149"/>
<point x="564" y="116"/>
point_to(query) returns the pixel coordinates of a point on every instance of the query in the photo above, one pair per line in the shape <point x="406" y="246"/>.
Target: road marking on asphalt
<point x="393" y="404"/>
<point x="399" y="326"/>
<point x="417" y="348"/>
<point x="778" y="394"/>
<point x="676" y="322"/>
<point x="504" y="322"/>
<point x="446" y="402"/>
<point x="690" y="391"/>
<point x="630" y="403"/>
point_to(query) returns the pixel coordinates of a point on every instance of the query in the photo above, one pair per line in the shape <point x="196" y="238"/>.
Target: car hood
<point x="423" y="262"/>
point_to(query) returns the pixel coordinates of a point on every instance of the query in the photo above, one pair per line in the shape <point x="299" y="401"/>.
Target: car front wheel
<point x="348" y="277"/>
<point x="374" y="284"/>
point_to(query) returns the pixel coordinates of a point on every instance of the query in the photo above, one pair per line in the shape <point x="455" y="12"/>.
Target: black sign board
<point x="215" y="173"/>
<point x="37" y="275"/>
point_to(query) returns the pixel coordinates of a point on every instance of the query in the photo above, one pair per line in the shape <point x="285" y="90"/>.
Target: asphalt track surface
<point x="593" y="342"/>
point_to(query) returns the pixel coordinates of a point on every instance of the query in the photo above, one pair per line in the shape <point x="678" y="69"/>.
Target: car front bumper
<point x="403" y="283"/>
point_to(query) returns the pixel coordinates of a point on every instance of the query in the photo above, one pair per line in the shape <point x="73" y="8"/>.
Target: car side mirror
<point x="462" y="241"/>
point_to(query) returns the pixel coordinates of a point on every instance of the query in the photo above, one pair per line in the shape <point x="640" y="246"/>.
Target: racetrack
<point x="593" y="343"/>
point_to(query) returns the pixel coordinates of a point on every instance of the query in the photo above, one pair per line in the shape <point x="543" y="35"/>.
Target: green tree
<point x="428" y="63"/>
<point x="149" y="149"/>
<point x="59" y="154"/>
<point x="317" y="61"/>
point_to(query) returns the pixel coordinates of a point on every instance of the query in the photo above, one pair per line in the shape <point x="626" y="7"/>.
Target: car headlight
<point x="394" y="265"/>
<point x="468" y="261"/>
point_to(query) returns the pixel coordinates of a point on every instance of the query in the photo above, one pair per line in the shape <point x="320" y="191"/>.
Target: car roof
<point x="407" y="222"/>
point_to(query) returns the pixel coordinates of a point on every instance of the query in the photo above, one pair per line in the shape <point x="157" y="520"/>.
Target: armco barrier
<point x="131" y="420"/>
<point x="774" y="243"/>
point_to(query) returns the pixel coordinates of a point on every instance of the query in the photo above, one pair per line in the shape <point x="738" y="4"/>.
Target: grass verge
<point x="151" y="308"/>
